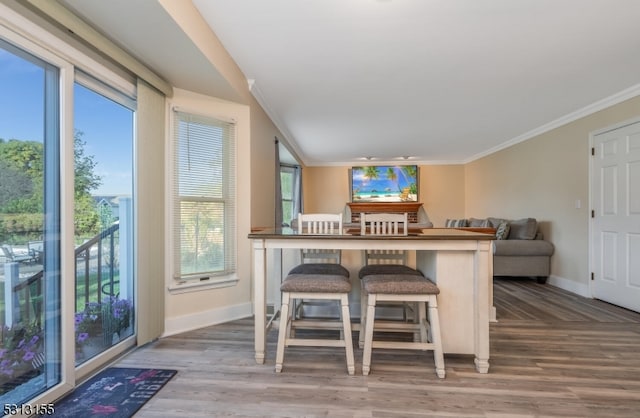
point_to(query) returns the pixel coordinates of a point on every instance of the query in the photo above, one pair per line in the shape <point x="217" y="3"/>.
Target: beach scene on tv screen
<point x="384" y="184"/>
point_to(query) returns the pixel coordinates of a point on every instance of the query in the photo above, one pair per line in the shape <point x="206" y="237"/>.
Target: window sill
<point x="187" y="286"/>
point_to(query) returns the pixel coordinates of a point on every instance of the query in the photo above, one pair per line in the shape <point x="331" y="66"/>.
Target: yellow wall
<point x="325" y="189"/>
<point x="185" y="14"/>
<point x="263" y="168"/>
<point x="442" y="192"/>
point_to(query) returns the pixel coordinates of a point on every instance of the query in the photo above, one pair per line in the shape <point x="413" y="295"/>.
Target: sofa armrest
<point x="522" y="247"/>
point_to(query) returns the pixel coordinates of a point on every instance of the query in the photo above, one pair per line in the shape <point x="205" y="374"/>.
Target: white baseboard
<point x="582" y="289"/>
<point x="185" y="323"/>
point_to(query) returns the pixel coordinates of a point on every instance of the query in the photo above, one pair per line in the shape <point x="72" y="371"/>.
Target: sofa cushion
<point x="502" y="230"/>
<point x="523" y="228"/>
<point x="478" y="223"/>
<point x="455" y="223"/>
<point x="522" y="247"/>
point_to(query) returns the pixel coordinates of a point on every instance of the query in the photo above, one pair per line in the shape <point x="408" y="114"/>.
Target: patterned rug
<point x="113" y="393"/>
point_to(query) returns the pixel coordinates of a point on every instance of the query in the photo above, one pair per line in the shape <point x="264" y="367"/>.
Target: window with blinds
<point x="204" y="197"/>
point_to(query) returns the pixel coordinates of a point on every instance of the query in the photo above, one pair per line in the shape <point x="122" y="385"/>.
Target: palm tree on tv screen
<point x="393" y="176"/>
<point x="371" y="173"/>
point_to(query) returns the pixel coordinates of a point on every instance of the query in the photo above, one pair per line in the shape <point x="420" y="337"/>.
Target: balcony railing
<point x="98" y="266"/>
<point x="96" y="276"/>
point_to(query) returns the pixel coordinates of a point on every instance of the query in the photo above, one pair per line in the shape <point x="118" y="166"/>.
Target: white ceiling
<point x="439" y="81"/>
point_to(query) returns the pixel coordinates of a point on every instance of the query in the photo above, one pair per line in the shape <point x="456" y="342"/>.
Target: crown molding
<point x="605" y="103"/>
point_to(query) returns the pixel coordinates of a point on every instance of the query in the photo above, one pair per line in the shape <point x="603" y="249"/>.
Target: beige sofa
<point x="519" y="250"/>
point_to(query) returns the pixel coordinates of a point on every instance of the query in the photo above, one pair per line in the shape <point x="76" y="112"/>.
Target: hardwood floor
<point x="553" y="354"/>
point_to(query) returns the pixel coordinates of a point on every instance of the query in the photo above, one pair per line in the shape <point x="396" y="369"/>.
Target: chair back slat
<point x="386" y="257"/>
<point x="313" y="255"/>
<point x="384" y="224"/>
<point x="320" y="224"/>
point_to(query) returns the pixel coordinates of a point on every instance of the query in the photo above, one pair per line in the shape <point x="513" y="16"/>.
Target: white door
<point x="615" y="238"/>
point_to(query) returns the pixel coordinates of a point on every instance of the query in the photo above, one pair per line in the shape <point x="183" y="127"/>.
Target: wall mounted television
<point x="384" y="183"/>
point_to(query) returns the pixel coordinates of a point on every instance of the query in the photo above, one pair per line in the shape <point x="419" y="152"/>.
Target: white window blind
<point x="204" y="197"/>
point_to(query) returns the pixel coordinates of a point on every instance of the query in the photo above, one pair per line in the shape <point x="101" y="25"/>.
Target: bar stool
<point x="316" y="282"/>
<point x="385" y="261"/>
<point x="407" y="288"/>
<point x="318" y="260"/>
<point x="398" y="284"/>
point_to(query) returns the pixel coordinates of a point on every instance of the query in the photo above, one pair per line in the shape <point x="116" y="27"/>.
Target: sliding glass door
<point x="67" y="273"/>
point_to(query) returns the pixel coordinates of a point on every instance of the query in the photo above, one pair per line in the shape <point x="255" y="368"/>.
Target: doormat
<point x="113" y="393"/>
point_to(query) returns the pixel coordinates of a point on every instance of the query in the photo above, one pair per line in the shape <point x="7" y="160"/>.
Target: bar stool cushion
<point x="320" y="268"/>
<point x="316" y="283"/>
<point x="387" y="269"/>
<point x="399" y="285"/>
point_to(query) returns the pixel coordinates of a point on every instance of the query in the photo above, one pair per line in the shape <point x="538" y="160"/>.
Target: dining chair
<point x="316" y="281"/>
<point x="397" y="284"/>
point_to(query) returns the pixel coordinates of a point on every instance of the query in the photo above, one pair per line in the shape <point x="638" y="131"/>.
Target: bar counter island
<point x="458" y="261"/>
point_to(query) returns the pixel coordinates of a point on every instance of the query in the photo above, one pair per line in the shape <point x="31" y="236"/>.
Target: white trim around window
<point x="213" y="266"/>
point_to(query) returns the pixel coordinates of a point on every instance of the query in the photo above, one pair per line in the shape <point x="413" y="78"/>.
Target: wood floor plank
<point x="553" y="354"/>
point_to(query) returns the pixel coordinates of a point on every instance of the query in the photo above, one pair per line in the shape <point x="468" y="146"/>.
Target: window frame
<point x="180" y="283"/>
<point x="293" y="171"/>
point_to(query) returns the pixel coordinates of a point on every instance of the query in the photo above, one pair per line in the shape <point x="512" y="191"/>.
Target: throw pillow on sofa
<point x="523" y="228"/>
<point x="478" y="223"/>
<point x="502" y="230"/>
<point x="455" y="223"/>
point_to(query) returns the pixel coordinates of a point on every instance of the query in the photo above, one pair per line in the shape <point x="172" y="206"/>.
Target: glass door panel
<point x="103" y="219"/>
<point x="30" y="338"/>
